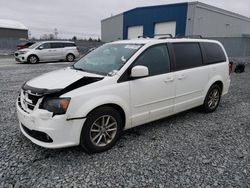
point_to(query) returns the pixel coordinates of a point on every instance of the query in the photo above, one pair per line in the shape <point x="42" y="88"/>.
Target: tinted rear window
<point x="187" y="55"/>
<point x="68" y="44"/>
<point x="213" y="53"/>
<point x="57" y="45"/>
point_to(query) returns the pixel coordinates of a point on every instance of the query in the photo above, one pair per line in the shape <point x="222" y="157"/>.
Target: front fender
<point x="83" y="109"/>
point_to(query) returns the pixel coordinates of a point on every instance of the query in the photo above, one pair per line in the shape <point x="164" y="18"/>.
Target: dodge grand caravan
<point x="121" y="85"/>
<point x="48" y="51"/>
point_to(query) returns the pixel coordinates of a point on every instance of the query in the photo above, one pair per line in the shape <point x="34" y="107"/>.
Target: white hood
<point x="58" y="79"/>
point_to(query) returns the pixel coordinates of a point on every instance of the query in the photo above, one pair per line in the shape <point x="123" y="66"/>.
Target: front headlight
<point x="23" y="52"/>
<point x="56" y="105"/>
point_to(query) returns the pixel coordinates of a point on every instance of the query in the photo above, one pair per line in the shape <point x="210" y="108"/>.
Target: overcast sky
<point x="82" y="17"/>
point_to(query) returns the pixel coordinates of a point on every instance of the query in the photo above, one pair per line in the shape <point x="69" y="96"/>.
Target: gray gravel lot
<point x="191" y="149"/>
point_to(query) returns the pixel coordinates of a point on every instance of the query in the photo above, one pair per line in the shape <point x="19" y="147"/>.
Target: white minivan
<point x="48" y="51"/>
<point x="121" y="85"/>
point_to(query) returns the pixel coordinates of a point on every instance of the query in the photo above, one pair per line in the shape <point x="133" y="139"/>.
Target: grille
<point x="29" y="100"/>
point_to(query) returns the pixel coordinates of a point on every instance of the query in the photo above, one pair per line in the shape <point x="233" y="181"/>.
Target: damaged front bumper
<point x="49" y="131"/>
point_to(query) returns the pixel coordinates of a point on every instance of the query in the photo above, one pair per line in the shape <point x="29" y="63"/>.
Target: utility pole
<point x="56" y="32"/>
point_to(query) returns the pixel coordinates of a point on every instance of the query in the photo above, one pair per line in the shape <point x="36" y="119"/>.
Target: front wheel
<point x="212" y="99"/>
<point x="33" y="59"/>
<point x="101" y="130"/>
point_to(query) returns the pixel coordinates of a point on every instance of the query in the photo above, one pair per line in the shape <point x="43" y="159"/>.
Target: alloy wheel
<point x="213" y="98"/>
<point x="103" y="130"/>
<point x="33" y="59"/>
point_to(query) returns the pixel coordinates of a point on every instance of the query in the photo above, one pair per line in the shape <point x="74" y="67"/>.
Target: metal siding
<point x="148" y="16"/>
<point x="13" y="33"/>
<point x="190" y="19"/>
<point x="112" y="28"/>
<point x="211" y="21"/>
<point x="235" y="46"/>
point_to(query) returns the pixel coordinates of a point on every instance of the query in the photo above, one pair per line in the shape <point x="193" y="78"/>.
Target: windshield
<point x="34" y="45"/>
<point x="107" y="59"/>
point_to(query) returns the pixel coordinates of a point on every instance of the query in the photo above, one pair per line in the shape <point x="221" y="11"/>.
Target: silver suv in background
<point x="48" y="51"/>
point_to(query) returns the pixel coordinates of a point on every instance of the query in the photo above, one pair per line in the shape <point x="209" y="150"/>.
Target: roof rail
<point x="142" y="36"/>
<point x="167" y="36"/>
<point x="164" y="36"/>
<point x="190" y="36"/>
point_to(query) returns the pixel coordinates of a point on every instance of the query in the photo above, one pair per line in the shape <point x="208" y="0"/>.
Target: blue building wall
<point x="148" y="16"/>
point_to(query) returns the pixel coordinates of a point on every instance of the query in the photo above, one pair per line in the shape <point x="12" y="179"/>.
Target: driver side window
<point x="45" y="46"/>
<point x="156" y="58"/>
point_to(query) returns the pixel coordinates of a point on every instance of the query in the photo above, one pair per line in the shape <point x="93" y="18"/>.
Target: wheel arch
<point x="217" y="80"/>
<point x="70" y="53"/>
<point x="116" y="107"/>
<point x="220" y="84"/>
<point x="33" y="55"/>
<point x="80" y="110"/>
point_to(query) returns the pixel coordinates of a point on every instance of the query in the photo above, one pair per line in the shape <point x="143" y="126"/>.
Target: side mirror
<point x="40" y="48"/>
<point x="139" y="71"/>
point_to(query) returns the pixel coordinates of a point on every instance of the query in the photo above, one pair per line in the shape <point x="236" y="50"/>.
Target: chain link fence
<point x="236" y="47"/>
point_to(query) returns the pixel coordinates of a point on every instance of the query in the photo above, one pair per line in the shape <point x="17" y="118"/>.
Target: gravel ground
<point x="191" y="149"/>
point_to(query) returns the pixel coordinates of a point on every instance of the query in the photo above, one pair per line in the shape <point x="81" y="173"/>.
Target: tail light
<point x="230" y="67"/>
<point x="78" y="49"/>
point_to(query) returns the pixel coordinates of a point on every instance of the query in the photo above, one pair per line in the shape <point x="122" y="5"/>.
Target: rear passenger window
<point x="213" y="53"/>
<point x="69" y="44"/>
<point x="156" y="58"/>
<point x="187" y="55"/>
<point x="57" y="45"/>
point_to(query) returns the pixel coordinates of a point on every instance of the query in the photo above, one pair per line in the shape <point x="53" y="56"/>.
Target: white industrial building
<point x="11" y="32"/>
<point x="182" y="19"/>
<point x="193" y="18"/>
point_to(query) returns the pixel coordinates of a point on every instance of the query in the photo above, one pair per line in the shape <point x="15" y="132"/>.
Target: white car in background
<point x="121" y="85"/>
<point x="48" y="51"/>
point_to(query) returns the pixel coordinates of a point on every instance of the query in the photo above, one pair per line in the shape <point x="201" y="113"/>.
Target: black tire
<point x="33" y="59"/>
<point x="90" y="130"/>
<point x="212" y="99"/>
<point x="70" y="57"/>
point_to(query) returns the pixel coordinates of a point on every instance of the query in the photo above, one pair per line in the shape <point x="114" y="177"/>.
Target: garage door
<point x="135" y="31"/>
<point x="165" y="28"/>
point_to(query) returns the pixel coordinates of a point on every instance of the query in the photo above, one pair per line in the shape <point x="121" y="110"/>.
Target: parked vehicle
<point x="48" y="51"/>
<point x="121" y="85"/>
<point x="25" y="44"/>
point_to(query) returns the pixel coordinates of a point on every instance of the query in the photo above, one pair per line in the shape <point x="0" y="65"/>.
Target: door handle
<point x="181" y="77"/>
<point x="170" y="79"/>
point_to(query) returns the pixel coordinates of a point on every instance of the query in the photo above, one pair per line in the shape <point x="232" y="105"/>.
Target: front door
<point x="152" y="97"/>
<point x="44" y="52"/>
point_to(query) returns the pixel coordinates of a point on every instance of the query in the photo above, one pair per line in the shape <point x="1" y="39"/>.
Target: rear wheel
<point x="101" y="130"/>
<point x="212" y="99"/>
<point x="70" y="57"/>
<point x="32" y="59"/>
